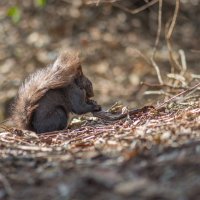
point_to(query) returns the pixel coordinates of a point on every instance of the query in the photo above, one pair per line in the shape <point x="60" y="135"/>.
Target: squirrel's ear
<point x="80" y="69"/>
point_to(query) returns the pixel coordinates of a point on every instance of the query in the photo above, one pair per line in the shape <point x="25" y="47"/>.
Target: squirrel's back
<point x="60" y="74"/>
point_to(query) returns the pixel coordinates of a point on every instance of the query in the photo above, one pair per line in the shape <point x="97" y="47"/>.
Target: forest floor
<point x="152" y="154"/>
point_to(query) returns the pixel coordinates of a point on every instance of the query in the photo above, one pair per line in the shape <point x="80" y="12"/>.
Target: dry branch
<point x="157" y="42"/>
<point x="174" y="62"/>
<point x="138" y="10"/>
<point x="178" y="95"/>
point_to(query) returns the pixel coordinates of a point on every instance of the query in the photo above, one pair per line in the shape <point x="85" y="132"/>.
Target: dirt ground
<point x="153" y="154"/>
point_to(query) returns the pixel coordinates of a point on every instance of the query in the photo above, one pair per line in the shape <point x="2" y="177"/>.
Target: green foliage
<point x="14" y="13"/>
<point x="41" y="3"/>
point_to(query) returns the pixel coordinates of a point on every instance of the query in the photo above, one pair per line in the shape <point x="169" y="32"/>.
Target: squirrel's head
<point x="72" y="59"/>
<point x="84" y="83"/>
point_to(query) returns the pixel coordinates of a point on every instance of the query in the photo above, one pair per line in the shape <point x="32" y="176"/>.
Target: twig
<point x="173" y="23"/>
<point x="173" y="60"/>
<point x="157" y="92"/>
<point x="183" y="61"/>
<point x="188" y="94"/>
<point x="179" y="94"/>
<point x="113" y="117"/>
<point x="136" y="11"/>
<point x="28" y="148"/>
<point x="163" y="85"/>
<point x="157" y="71"/>
<point x="197" y="76"/>
<point x="148" y="61"/>
<point x="178" y="78"/>
<point x="97" y="2"/>
<point x="157" y="42"/>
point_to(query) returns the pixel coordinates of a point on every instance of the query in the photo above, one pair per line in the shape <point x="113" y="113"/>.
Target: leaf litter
<point x="152" y="153"/>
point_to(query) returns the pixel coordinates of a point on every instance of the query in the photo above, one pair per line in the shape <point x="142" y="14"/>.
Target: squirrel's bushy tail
<point x="58" y="75"/>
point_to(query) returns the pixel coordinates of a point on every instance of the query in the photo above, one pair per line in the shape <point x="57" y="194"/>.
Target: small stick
<point x="157" y="42"/>
<point x="163" y="85"/>
<point x="138" y="10"/>
<point x="113" y="117"/>
<point x="179" y="94"/>
<point x="173" y="60"/>
<point x="183" y="61"/>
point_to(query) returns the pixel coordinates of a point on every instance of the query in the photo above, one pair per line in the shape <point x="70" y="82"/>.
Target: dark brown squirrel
<point x="48" y="96"/>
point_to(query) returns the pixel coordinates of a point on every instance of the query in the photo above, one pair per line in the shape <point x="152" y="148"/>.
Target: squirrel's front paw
<point x="97" y="108"/>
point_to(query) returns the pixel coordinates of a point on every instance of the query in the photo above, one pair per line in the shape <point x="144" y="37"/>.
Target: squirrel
<point x="47" y="97"/>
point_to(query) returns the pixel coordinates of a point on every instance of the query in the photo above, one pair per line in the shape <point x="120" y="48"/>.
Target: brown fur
<point x="59" y="75"/>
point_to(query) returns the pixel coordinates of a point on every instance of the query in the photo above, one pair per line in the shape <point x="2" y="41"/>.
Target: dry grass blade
<point x="174" y="62"/>
<point x="157" y="42"/>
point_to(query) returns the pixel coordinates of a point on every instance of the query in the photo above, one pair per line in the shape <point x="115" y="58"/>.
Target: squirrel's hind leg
<point x="52" y="121"/>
